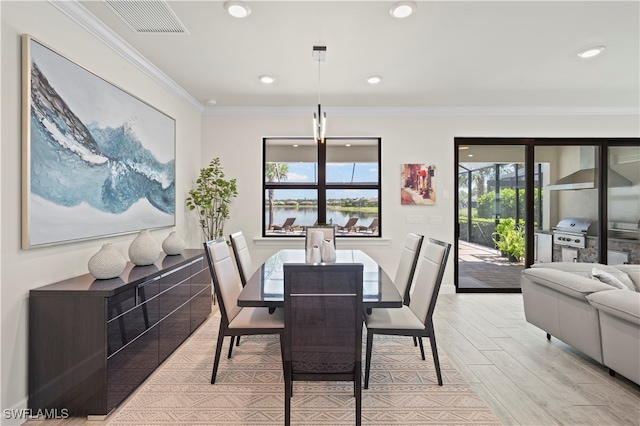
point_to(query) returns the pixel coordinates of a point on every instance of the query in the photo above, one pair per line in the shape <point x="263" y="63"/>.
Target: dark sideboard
<point x="92" y="342"/>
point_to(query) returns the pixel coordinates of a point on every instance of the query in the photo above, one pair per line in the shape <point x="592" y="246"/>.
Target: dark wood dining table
<point x="265" y="288"/>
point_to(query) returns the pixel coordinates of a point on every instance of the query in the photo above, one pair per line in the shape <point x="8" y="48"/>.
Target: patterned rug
<point x="249" y="389"/>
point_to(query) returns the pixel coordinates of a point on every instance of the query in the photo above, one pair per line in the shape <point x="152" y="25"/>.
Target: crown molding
<point x="81" y="16"/>
<point x="420" y="111"/>
<point x="85" y="19"/>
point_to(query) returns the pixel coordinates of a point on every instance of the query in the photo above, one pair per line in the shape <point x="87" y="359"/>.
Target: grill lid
<point x="577" y="225"/>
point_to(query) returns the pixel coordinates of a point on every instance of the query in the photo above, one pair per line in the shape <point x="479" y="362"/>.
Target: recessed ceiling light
<point x="211" y="102"/>
<point x="237" y="9"/>
<point x="591" y="52"/>
<point x="374" y="79"/>
<point x="266" y="79"/>
<point x="462" y="147"/>
<point x="470" y="155"/>
<point x="295" y="145"/>
<point x="402" y="9"/>
<point x="347" y="145"/>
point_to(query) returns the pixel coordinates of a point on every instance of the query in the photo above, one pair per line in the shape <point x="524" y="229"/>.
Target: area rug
<point x="249" y="389"/>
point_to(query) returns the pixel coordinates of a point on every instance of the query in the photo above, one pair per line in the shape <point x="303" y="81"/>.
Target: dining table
<point x="265" y="288"/>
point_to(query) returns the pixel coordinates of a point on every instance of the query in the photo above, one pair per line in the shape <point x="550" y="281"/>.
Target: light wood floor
<point x="523" y="377"/>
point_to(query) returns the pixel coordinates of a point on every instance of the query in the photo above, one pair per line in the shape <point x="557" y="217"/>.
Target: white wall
<point x="237" y="141"/>
<point x="405" y="139"/>
<point x="22" y="270"/>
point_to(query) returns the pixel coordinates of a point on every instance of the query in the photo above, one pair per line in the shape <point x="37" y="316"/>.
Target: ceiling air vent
<point x="148" y="16"/>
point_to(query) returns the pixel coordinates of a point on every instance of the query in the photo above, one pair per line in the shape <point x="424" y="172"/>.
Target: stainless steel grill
<point x="573" y="231"/>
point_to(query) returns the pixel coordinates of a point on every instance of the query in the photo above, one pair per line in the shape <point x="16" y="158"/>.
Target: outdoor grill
<point x="573" y="232"/>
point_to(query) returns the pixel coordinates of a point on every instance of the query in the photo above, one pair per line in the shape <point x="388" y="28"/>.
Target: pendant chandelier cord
<point x="319" y="81"/>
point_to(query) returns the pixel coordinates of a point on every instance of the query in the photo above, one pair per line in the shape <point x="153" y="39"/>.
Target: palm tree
<point x="276" y="172"/>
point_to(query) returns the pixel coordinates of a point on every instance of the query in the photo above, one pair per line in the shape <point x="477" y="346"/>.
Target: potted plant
<point x="210" y="199"/>
<point x="509" y="239"/>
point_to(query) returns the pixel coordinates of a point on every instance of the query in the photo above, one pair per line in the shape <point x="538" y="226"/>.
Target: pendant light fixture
<point x="319" y="118"/>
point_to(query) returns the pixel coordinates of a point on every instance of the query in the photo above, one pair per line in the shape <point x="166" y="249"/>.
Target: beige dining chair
<point x="323" y="327"/>
<point x="242" y="255"/>
<point x="234" y="320"/>
<point x="329" y="232"/>
<point x="407" y="265"/>
<point x="415" y="319"/>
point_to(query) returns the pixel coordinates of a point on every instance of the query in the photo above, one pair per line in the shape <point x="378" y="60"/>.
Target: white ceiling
<point x="448" y="54"/>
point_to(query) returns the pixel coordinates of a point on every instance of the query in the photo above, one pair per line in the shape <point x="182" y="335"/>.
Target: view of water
<point x="307" y="217"/>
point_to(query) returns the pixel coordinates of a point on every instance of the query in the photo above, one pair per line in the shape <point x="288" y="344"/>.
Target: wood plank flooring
<point x="523" y="377"/>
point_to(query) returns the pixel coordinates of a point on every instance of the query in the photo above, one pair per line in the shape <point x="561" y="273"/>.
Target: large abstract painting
<point x="418" y="184"/>
<point x="97" y="161"/>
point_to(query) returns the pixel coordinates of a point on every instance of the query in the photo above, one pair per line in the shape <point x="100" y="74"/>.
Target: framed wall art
<point x="97" y="161"/>
<point x="418" y="184"/>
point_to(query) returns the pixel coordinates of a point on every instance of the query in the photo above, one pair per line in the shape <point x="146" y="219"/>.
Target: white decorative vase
<point x="328" y="251"/>
<point x="144" y="249"/>
<point x="313" y="255"/>
<point x="315" y="239"/>
<point x="173" y="244"/>
<point x="107" y="263"/>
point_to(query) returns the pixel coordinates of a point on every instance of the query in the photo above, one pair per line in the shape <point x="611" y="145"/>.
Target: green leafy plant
<point x="210" y="199"/>
<point x="509" y="238"/>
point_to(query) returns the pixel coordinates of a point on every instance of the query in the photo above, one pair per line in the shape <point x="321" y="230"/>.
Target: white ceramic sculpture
<point x="107" y="263"/>
<point x="144" y="249"/>
<point x="173" y="244"/>
<point x="328" y="251"/>
<point x="313" y="254"/>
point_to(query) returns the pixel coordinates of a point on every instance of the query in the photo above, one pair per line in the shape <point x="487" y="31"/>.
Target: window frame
<point x="321" y="185"/>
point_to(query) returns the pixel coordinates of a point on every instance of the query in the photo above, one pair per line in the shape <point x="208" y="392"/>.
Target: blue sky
<point x="336" y="173"/>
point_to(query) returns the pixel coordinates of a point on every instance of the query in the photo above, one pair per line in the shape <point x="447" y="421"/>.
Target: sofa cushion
<point x="608" y="278"/>
<point x="565" y="282"/>
<point x="585" y="269"/>
<point x="633" y="271"/>
<point x="618" y="304"/>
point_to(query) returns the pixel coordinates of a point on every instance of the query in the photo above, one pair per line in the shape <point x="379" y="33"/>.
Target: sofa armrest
<point x="564" y="282"/>
<point x="618" y="303"/>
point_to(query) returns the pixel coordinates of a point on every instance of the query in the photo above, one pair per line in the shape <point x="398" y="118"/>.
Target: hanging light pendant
<point x="319" y="118"/>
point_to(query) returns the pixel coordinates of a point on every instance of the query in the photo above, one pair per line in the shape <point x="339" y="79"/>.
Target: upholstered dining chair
<point x="242" y="255"/>
<point x="415" y="319"/>
<point x="407" y="265"/>
<point x="323" y="327"/>
<point x="234" y="320"/>
<point x="328" y="231"/>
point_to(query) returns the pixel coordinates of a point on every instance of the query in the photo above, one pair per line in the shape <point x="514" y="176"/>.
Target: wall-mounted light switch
<point x="414" y="218"/>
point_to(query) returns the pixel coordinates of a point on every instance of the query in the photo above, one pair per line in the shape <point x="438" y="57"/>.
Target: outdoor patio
<point x="481" y="267"/>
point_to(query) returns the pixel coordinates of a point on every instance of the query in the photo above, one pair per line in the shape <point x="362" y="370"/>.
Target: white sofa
<point x="598" y="319"/>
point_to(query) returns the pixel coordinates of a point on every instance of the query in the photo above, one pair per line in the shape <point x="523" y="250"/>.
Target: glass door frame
<point x="602" y="163"/>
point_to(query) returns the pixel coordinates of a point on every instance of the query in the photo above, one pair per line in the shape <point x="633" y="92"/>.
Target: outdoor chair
<point x="234" y="320"/>
<point x="349" y="226"/>
<point x="416" y="319"/>
<point x="371" y="229"/>
<point x="323" y="327"/>
<point x="286" y="226"/>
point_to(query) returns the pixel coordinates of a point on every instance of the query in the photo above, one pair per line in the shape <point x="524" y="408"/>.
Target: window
<point x="336" y="182"/>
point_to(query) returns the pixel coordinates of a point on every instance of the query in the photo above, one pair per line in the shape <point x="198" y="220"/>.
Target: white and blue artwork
<point x="98" y="160"/>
